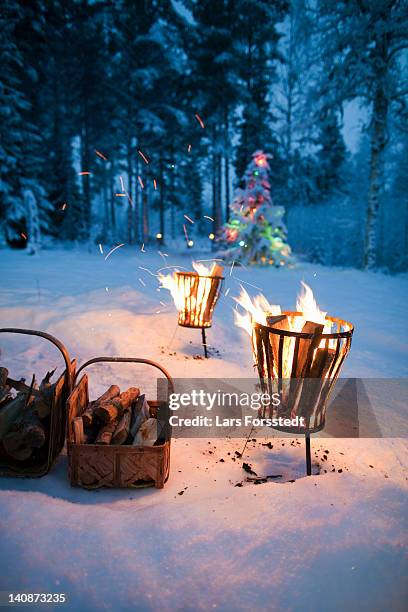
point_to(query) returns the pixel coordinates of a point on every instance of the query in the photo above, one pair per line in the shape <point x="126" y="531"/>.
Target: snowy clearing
<point x="202" y="542"/>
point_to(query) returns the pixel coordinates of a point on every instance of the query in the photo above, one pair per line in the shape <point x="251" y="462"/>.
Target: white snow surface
<point x="332" y="541"/>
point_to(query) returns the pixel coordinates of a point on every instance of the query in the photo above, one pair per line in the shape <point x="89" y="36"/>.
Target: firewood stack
<point x="24" y="416"/>
<point x="117" y="418"/>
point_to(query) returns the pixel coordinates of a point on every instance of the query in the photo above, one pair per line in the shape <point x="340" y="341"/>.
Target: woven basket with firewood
<point x="118" y="440"/>
<point x="33" y="416"/>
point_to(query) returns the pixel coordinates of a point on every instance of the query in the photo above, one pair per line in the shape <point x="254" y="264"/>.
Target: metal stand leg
<point x="308" y="457"/>
<point x="204" y="342"/>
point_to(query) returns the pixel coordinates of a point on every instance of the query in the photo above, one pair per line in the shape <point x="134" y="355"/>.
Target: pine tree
<point x="256" y="233"/>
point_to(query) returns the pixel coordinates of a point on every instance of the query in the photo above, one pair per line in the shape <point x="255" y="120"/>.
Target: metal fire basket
<point x="303" y="368"/>
<point x="200" y="296"/>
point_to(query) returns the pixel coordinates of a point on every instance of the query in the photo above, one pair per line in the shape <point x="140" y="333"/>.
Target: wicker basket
<point x="41" y="463"/>
<point x="92" y="466"/>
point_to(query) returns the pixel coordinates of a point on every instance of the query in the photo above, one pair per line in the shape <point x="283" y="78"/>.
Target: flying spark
<point x="185" y="232"/>
<point x="114" y="249"/>
<point x="163" y="304"/>
<point x="147" y="270"/>
<point x="227" y="292"/>
<point x="143" y="156"/>
<point x="23" y="236"/>
<point x="84" y="173"/>
<point x="101" y="155"/>
<point x="246" y="283"/>
<point x="188" y="219"/>
<point x="101" y="249"/>
<point x="200" y="121"/>
<point x="232" y="267"/>
<point x="107" y="289"/>
<point x="155" y="184"/>
<point x="209" y="218"/>
<point x="120" y="195"/>
<point x="64" y="206"/>
<point x="140" y="182"/>
<point x="142" y="282"/>
<point x="189" y="148"/>
<point x="122" y="186"/>
<point x="143" y="249"/>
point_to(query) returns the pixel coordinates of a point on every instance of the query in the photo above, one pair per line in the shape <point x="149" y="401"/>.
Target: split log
<point x="277" y="322"/>
<point x="20" y="385"/>
<point x="3" y="377"/>
<point x="121" y="432"/>
<point x="147" y="434"/>
<point x="115" y="408"/>
<point x="90" y="413"/>
<point x="10" y="413"/>
<point x="106" y="432"/>
<point x="303" y="360"/>
<point x="140" y="413"/>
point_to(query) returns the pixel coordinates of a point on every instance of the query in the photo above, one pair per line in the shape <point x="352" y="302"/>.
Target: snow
<point x="328" y="542"/>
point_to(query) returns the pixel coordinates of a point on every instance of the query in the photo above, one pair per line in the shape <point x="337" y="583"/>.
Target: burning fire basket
<point x="199" y="296"/>
<point x="302" y="366"/>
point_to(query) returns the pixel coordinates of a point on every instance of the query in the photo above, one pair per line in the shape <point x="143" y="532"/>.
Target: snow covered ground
<point x="332" y="541"/>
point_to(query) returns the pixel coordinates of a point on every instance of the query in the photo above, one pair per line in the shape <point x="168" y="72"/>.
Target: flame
<point x="182" y="292"/>
<point x="307" y="305"/>
<point x="256" y="310"/>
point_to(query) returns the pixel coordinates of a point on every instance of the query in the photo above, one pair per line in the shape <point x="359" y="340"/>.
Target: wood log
<point x="20" y="385"/>
<point x="106" y="432"/>
<point x="114" y="409"/>
<point x="3" y="377"/>
<point x="140" y="413"/>
<point x="24" y="435"/>
<point x="121" y="432"/>
<point x="89" y="415"/>
<point x="147" y="434"/>
<point x="5" y="395"/>
<point x="306" y="349"/>
<point x="276" y="322"/>
<point x="10" y="413"/>
<point x="217" y="270"/>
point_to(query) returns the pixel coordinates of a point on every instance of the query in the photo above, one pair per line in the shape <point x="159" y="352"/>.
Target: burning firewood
<point x="90" y="413"/>
<point x="115" y="408"/>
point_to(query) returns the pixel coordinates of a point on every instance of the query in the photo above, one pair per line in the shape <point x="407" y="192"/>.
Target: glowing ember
<point x="140" y="182"/>
<point x="114" y="249"/>
<point x="84" y="173"/>
<point x="188" y="218"/>
<point x="200" y="121"/>
<point x="101" y="155"/>
<point x="143" y="156"/>
<point x="155" y="184"/>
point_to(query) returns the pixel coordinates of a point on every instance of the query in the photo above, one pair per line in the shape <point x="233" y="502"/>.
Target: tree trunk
<point x="161" y="187"/>
<point x="136" y="216"/>
<point x="227" y="169"/>
<point x="378" y="143"/>
<point x="129" y="190"/>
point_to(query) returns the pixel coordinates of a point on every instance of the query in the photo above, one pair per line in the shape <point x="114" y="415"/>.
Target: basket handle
<point x="126" y="360"/>
<point x="60" y="346"/>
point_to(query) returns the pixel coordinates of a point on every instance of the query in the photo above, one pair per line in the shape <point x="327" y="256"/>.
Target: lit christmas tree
<point x="256" y="233"/>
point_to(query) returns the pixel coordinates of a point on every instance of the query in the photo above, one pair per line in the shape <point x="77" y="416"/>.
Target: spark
<point x="84" y="173"/>
<point x="143" y="156"/>
<point x="227" y="292"/>
<point x="232" y="267"/>
<point x="189" y="148"/>
<point x="158" y="311"/>
<point x="163" y="256"/>
<point x="242" y="206"/>
<point x="188" y="219"/>
<point x="23" y="236"/>
<point x="107" y="289"/>
<point x="147" y="270"/>
<point x="114" y="249"/>
<point x="122" y="184"/>
<point x="142" y="282"/>
<point x="167" y="267"/>
<point x="162" y="303"/>
<point x="200" y="121"/>
<point x="185" y="232"/>
<point x="120" y="195"/>
<point x="140" y="181"/>
<point x="246" y="283"/>
<point x="155" y="184"/>
<point x="202" y="260"/>
<point x="143" y="249"/>
<point x="101" y="155"/>
<point x="101" y="249"/>
<point x="209" y="218"/>
<point x="64" y="206"/>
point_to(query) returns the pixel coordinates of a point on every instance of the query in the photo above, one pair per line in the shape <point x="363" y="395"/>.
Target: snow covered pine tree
<point x="256" y="233"/>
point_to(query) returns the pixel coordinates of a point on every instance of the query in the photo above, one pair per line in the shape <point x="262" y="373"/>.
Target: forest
<point x="119" y="118"/>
